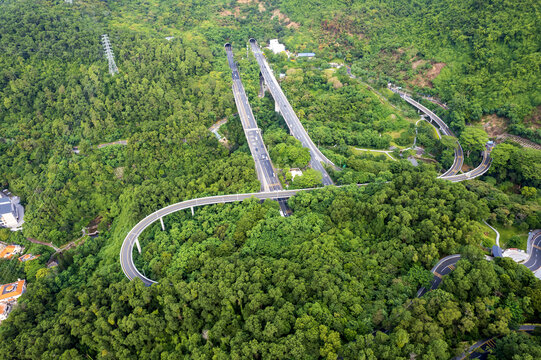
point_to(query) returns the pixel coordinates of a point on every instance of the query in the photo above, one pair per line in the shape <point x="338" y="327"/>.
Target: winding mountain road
<point x="459" y="153"/>
<point x="260" y="154"/>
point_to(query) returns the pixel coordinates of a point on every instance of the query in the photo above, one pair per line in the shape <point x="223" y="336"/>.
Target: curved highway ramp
<point x="131" y="240"/>
<point x="459" y="153"/>
<point x="478" y="171"/>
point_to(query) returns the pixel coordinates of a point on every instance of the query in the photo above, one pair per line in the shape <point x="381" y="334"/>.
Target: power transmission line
<point x="109" y="54"/>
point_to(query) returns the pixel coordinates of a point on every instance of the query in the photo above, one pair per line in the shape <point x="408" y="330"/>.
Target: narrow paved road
<point x="496" y="231"/>
<point x="386" y="152"/>
<point x="485" y="344"/>
<point x="443" y="267"/>
<point x="35" y="241"/>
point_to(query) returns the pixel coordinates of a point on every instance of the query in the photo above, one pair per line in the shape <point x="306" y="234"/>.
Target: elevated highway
<point x="263" y="164"/>
<point x="272" y="188"/>
<point x="131" y="240"/>
<point x="459" y="153"/>
<point x="295" y="127"/>
<point x="478" y="171"/>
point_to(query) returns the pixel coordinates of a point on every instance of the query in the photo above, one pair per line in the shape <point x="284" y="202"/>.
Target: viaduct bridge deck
<point x="291" y="119"/>
<point x="263" y="164"/>
<point x="459" y="153"/>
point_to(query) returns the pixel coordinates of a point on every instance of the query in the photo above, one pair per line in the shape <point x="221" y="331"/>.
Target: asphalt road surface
<point x="263" y="164"/>
<point x="295" y="127"/>
<point x="442" y="268"/>
<point x="478" y="171"/>
<point x="534" y="261"/>
<point x="480" y="349"/>
<point x="459" y="153"/>
<point x="126" y="252"/>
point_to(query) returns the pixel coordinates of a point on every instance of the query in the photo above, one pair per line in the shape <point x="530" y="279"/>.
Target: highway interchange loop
<point x="267" y="177"/>
<point x="443" y="267"/>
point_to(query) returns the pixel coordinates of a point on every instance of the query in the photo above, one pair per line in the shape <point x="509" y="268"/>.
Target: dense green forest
<point x="56" y="94"/>
<point x="487" y="54"/>
<point x="338" y="278"/>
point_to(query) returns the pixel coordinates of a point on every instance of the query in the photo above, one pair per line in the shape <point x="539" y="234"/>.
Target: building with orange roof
<point x="10" y="250"/>
<point x="28" y="257"/>
<point x="11" y="292"/>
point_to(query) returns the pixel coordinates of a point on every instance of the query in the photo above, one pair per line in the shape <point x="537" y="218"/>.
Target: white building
<point x="295" y="172"/>
<point x="5" y="309"/>
<point x="276" y="47"/>
<point x="8" y="213"/>
<point x="11" y="211"/>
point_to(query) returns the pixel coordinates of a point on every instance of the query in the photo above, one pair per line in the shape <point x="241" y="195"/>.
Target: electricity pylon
<point x="109" y="54"/>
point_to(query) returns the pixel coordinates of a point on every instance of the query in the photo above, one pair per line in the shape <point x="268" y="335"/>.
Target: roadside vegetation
<point x="338" y="278"/>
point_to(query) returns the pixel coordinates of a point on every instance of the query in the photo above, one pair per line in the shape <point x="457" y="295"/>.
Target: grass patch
<point x="508" y="232"/>
<point x="489" y="236"/>
<point x="371" y="152"/>
<point x="396" y="134"/>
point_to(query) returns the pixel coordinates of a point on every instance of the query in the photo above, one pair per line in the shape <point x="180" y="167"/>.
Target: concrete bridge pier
<point x="262" y="86"/>
<point x="138" y="245"/>
<point x="161" y="222"/>
<point x="276" y="106"/>
<point x="192" y="211"/>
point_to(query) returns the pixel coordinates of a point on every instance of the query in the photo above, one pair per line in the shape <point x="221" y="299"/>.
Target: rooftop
<point x="28" y="257"/>
<point x="12" y="291"/>
<point x="497" y="251"/>
<point x="306" y="54"/>
<point x="276" y="47"/>
<point x="5" y="205"/>
<point x="9" y="251"/>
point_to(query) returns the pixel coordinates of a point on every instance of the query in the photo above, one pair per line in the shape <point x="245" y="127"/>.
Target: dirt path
<point x="99" y="146"/>
<point x="35" y="241"/>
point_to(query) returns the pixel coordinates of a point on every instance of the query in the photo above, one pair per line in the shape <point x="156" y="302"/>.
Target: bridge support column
<point x="163" y="226"/>
<point x="192" y="211"/>
<point x="276" y="106"/>
<point x="262" y="86"/>
<point x="138" y="245"/>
